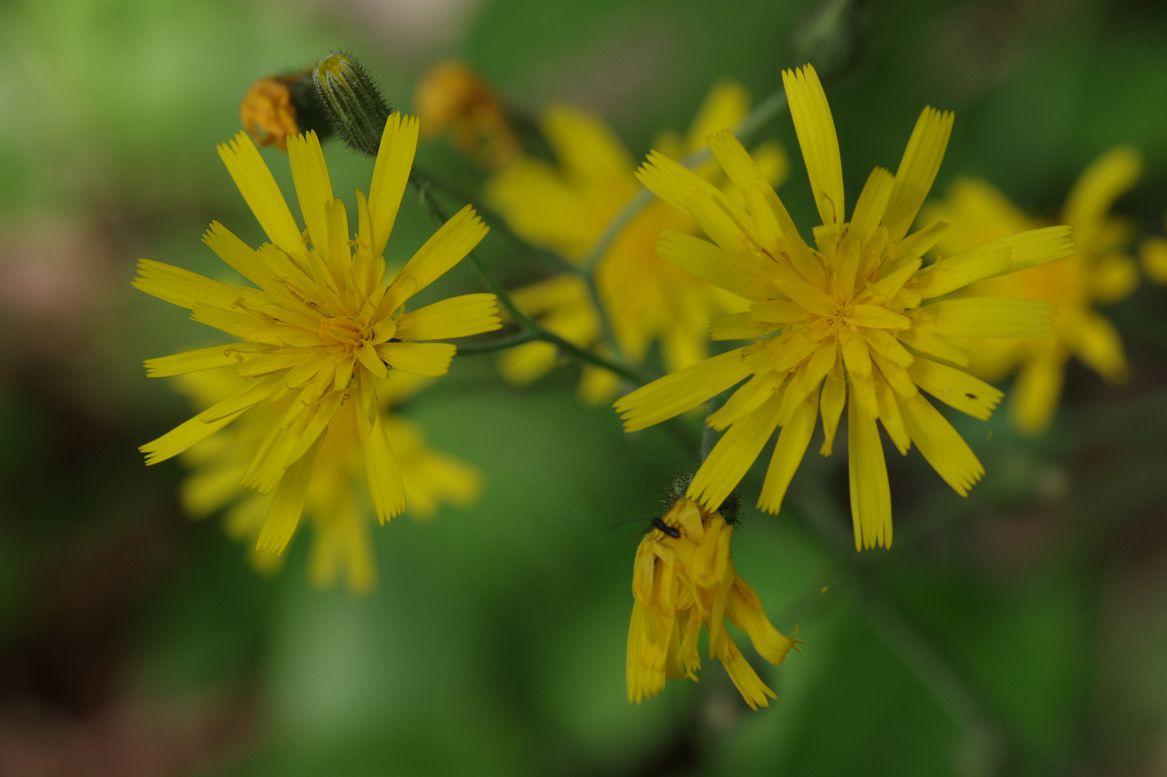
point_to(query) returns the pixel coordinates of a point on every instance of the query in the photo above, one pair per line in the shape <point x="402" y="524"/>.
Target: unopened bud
<point x="352" y="101"/>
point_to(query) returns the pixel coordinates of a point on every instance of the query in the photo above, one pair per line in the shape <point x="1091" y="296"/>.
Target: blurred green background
<point x="1021" y="631"/>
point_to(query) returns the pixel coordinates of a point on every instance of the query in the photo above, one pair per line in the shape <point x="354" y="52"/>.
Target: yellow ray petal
<point x="738" y="326"/>
<point x="1035" y="392"/>
<point x="941" y="445"/>
<point x="891" y="417"/>
<point x="744" y="609"/>
<point x="544" y="208"/>
<point x="817" y="139"/>
<point x="186" y="289"/>
<point x="917" y="170"/>
<point x="956" y="388"/>
<point x="673" y="182"/>
<point x="208" y="421"/>
<point x="726" y="104"/>
<point x="1103" y="182"/>
<point x="732" y="456"/>
<point x="381" y="469"/>
<point x="684" y="390"/>
<point x="754" y="692"/>
<point x="430" y="360"/>
<point x="390" y="175"/>
<point x="979" y="317"/>
<point x="1096" y="342"/>
<point x="788" y="454"/>
<point x="585" y="147"/>
<point x="192" y="361"/>
<point x="287" y="505"/>
<point x="262" y="194"/>
<point x="737" y="275"/>
<point x="745" y="400"/>
<point x="244" y="259"/>
<point x="313" y="186"/>
<point x="870" y="492"/>
<point x="445" y="248"/>
<point x="461" y="316"/>
<point x="872" y="203"/>
<point x="834" y="397"/>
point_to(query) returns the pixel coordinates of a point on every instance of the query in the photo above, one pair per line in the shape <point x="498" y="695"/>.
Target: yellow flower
<point x="341" y="543"/>
<point x="1099" y="271"/>
<point x="451" y="97"/>
<point x="684" y="579"/>
<point x="1153" y="255"/>
<point x="859" y="316"/>
<point x="268" y="111"/>
<point x="567" y="207"/>
<point x="322" y="326"/>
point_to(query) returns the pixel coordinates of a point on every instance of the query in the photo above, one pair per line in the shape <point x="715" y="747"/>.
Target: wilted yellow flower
<point x="858" y="317"/>
<point x="322" y="326"/>
<point x="452" y="97"/>
<point x="268" y="111"/>
<point x="567" y="207"/>
<point x="684" y="579"/>
<point x="334" y="507"/>
<point x="1099" y="271"/>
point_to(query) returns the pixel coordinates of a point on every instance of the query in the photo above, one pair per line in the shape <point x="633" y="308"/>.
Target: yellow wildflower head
<point x="1099" y="271"/>
<point x="567" y="207"/>
<point x="856" y="321"/>
<point x="683" y="580"/>
<point x="321" y="322"/>
<point x="341" y="546"/>
<point x="452" y="97"/>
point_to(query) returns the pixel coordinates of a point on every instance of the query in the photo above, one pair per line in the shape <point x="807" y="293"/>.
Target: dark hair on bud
<point x="730" y="509"/>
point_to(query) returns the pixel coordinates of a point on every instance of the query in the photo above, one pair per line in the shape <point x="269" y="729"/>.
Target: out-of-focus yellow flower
<point x="1153" y="254"/>
<point x="268" y="111"/>
<point x="337" y="512"/>
<point x="1099" y="271"/>
<point x="683" y="580"/>
<point x="323" y="325"/>
<point x="567" y="207"/>
<point x="856" y="322"/>
<point x="452" y="98"/>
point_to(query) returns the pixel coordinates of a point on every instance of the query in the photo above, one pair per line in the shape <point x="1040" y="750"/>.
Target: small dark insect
<point x="970" y="395"/>
<point x="672" y="531"/>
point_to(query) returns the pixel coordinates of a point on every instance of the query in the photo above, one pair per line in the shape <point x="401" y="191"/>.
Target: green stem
<point x="525" y="322"/>
<point x="497" y="223"/>
<point x="498" y="343"/>
<point x="749" y="126"/>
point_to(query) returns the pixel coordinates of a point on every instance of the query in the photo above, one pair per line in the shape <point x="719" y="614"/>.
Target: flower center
<point x="346" y="332"/>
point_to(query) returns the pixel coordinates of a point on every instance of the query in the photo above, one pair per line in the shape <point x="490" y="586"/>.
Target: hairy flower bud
<point x="352" y="101"/>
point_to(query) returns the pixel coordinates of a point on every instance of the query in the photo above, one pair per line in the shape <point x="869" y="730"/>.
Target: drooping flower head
<point x="335" y="507"/>
<point x="684" y="580"/>
<point x="567" y="207"/>
<point x="1098" y="272"/>
<point x="855" y="320"/>
<point x="321" y="324"/>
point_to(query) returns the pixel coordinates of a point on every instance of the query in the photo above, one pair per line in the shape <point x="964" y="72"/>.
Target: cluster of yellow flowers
<point x="873" y="315"/>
